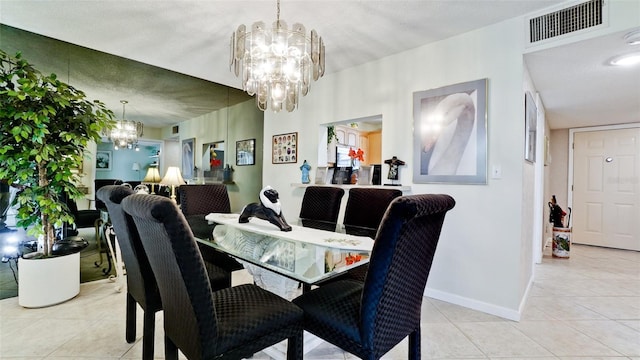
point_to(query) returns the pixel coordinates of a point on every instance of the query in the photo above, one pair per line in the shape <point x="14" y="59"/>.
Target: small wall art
<point x="103" y="160"/>
<point x="530" y="124"/>
<point x="246" y="152"/>
<point x="188" y="158"/>
<point x="450" y="134"/>
<point x="285" y="148"/>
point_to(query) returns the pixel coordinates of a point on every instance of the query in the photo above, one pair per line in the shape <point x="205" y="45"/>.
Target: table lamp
<point x="173" y="178"/>
<point x="152" y="177"/>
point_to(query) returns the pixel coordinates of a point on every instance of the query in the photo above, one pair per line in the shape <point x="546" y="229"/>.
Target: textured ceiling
<point x="157" y="97"/>
<point x="192" y="38"/>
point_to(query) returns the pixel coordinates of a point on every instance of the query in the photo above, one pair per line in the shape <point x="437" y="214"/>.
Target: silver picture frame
<point x="450" y="134"/>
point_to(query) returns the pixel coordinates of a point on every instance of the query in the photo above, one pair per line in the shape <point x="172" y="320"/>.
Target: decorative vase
<point x="50" y="281"/>
<point x="354" y="177"/>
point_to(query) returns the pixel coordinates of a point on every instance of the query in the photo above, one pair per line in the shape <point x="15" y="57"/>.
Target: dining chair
<point x="231" y="323"/>
<point x="81" y="218"/>
<point x="320" y="207"/>
<point x="365" y="209"/>
<point x="369" y="318"/>
<point x="99" y="183"/>
<point x="198" y="201"/>
<point x="363" y="214"/>
<point x="141" y="283"/>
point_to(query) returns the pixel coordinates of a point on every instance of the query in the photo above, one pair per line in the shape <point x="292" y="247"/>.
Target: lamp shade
<point x="172" y="177"/>
<point x="135" y="166"/>
<point x="152" y="177"/>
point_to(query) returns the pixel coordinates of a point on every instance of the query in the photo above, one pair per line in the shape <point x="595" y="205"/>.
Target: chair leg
<point x="294" y="347"/>
<point x="170" y="349"/>
<point x="414" y="344"/>
<point x="131" y="319"/>
<point x="148" y="334"/>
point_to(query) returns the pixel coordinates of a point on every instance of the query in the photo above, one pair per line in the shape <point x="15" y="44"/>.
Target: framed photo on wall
<point x="450" y="134"/>
<point x="188" y="158"/>
<point x="530" y="131"/>
<point x="284" y="148"/>
<point x="103" y="160"/>
<point x="246" y="152"/>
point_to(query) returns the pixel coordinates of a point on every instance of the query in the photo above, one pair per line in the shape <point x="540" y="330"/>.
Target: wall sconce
<point x="136" y="167"/>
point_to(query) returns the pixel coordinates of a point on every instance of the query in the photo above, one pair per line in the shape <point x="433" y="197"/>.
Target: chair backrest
<point x="365" y="209"/>
<point x="99" y="183"/>
<point x="321" y="206"/>
<point x="81" y="218"/>
<point x="141" y="283"/>
<point x="204" y="199"/>
<point x="399" y="267"/>
<point x="182" y="279"/>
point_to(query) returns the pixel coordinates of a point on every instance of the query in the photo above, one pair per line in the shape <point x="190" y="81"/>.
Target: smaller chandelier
<point x="276" y="65"/>
<point x="126" y="133"/>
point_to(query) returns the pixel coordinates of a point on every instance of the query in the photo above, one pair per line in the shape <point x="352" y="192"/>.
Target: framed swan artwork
<point x="450" y="134"/>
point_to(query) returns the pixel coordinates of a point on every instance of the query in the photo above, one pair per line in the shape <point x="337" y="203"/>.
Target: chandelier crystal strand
<point x="126" y="133"/>
<point x="277" y="64"/>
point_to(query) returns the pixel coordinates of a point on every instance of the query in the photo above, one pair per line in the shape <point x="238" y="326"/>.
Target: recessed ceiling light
<point x="626" y="60"/>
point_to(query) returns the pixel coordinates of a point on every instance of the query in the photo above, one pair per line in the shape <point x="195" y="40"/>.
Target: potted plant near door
<point x="45" y="127"/>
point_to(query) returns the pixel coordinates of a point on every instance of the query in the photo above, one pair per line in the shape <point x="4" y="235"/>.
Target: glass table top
<point x="305" y="254"/>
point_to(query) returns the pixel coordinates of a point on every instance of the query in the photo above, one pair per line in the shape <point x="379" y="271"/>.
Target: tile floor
<point x="585" y="307"/>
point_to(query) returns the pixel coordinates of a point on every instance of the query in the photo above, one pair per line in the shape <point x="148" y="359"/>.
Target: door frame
<point x="572" y="133"/>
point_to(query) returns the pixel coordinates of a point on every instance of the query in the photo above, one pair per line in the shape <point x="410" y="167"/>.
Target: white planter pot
<point x="46" y="282"/>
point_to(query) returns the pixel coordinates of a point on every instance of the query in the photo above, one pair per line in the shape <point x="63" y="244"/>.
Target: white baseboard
<point x="509" y="314"/>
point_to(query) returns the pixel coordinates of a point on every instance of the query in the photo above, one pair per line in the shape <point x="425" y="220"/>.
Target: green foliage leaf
<point x="49" y="124"/>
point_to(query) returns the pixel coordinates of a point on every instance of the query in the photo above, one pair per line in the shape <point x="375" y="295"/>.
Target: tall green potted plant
<point x="45" y="127"/>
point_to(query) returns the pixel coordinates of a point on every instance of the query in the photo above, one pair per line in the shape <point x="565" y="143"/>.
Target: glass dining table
<point x="280" y="261"/>
<point x="306" y="255"/>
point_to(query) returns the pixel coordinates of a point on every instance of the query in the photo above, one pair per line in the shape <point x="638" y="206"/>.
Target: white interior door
<point x="606" y="188"/>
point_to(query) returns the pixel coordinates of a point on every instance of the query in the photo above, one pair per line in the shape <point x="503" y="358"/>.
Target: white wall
<point x="484" y="260"/>
<point x="481" y="260"/>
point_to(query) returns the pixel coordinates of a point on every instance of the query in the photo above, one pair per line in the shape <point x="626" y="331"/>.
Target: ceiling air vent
<point x="568" y="20"/>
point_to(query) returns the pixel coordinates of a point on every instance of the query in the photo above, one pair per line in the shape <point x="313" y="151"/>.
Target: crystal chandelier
<point x="276" y="65"/>
<point x="125" y="134"/>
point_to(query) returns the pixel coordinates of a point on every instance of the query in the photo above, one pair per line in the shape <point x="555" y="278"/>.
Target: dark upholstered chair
<point x="141" y="283"/>
<point x="97" y="184"/>
<point x="363" y="214"/>
<point x="81" y="218"/>
<point x="320" y="207"/>
<point x="368" y="319"/>
<point x="365" y="209"/>
<point x="196" y="202"/>
<point x="231" y="323"/>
